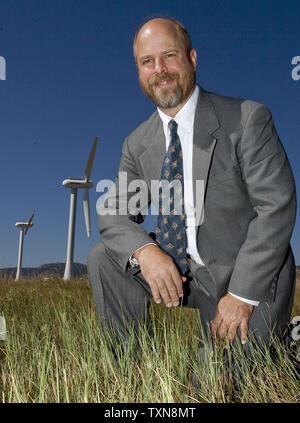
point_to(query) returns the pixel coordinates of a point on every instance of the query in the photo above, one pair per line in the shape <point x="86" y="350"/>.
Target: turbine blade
<point x="88" y="169"/>
<point x="86" y="209"/>
<point x="28" y="224"/>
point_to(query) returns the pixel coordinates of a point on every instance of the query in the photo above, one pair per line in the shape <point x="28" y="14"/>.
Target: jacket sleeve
<point x="271" y="188"/>
<point x="123" y="211"/>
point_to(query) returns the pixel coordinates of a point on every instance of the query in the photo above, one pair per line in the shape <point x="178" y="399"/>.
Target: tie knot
<point x="173" y="127"/>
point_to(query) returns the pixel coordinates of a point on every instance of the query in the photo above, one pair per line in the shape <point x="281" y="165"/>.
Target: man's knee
<point x="101" y="261"/>
<point x="96" y="255"/>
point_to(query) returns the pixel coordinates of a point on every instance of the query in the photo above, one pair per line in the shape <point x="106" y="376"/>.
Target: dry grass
<point x="55" y="352"/>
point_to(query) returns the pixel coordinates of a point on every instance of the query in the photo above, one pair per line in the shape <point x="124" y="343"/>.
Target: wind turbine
<point x="24" y="226"/>
<point x="74" y="184"/>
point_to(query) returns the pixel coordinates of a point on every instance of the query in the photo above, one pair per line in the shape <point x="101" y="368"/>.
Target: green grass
<point x="55" y="351"/>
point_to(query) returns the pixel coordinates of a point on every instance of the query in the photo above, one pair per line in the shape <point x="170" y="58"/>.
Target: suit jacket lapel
<point x="155" y="149"/>
<point x="206" y="124"/>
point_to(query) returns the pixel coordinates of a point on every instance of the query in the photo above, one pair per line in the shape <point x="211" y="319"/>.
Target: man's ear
<point x="193" y="58"/>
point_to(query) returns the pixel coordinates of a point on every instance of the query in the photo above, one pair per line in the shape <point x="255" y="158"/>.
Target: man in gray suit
<point x="240" y="269"/>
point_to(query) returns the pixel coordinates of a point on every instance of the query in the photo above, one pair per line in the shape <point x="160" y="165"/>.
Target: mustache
<point x="165" y="77"/>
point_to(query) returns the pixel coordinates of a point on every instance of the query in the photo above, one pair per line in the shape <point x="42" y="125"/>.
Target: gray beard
<point x="169" y="101"/>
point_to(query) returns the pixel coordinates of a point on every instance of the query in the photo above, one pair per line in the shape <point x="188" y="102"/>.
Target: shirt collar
<point x="186" y="114"/>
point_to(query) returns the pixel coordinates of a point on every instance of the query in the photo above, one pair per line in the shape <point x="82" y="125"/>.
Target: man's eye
<point x="170" y="55"/>
<point x="146" y="61"/>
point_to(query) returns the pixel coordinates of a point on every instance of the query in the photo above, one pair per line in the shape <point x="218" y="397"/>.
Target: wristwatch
<point x="133" y="262"/>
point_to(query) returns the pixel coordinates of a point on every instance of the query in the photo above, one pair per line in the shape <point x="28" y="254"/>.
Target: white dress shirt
<point x="185" y="120"/>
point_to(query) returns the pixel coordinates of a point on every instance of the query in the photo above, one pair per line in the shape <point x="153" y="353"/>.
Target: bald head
<point x="160" y="27"/>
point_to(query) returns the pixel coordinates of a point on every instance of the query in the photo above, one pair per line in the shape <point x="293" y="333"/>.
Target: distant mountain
<point x="44" y="270"/>
<point x="56" y="269"/>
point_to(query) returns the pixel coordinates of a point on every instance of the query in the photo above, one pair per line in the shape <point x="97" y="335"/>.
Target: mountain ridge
<point x="48" y="269"/>
<point x="56" y="269"/>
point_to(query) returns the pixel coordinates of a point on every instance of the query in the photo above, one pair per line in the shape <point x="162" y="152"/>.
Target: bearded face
<point x="169" y="89"/>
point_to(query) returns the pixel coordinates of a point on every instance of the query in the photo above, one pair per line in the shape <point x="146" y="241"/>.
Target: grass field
<point x="55" y="352"/>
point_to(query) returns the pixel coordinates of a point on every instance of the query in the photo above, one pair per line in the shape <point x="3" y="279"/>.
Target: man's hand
<point x="161" y="273"/>
<point x="231" y="314"/>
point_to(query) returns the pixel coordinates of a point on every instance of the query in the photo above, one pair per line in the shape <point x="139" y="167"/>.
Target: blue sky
<point x="71" y="76"/>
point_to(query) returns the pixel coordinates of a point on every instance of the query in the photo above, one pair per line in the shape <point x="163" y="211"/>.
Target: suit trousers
<point x="122" y="298"/>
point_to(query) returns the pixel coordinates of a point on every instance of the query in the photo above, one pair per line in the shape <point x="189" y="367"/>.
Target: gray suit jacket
<point x="250" y="198"/>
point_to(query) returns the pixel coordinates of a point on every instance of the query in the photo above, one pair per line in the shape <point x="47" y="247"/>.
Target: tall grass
<point x="55" y="351"/>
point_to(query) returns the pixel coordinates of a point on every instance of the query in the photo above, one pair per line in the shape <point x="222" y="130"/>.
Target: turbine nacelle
<point x="23" y="225"/>
<point x="77" y="183"/>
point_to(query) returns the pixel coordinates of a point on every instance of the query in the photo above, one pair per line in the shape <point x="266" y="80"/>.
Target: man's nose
<point x="160" y="65"/>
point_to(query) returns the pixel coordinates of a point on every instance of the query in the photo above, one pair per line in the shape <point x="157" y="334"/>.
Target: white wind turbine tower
<point x="24" y="226"/>
<point x="74" y="184"/>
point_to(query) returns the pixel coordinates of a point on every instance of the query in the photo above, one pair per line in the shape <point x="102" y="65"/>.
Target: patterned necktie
<point x="170" y="230"/>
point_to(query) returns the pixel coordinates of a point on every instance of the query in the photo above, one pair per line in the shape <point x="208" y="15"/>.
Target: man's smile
<point x="164" y="83"/>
